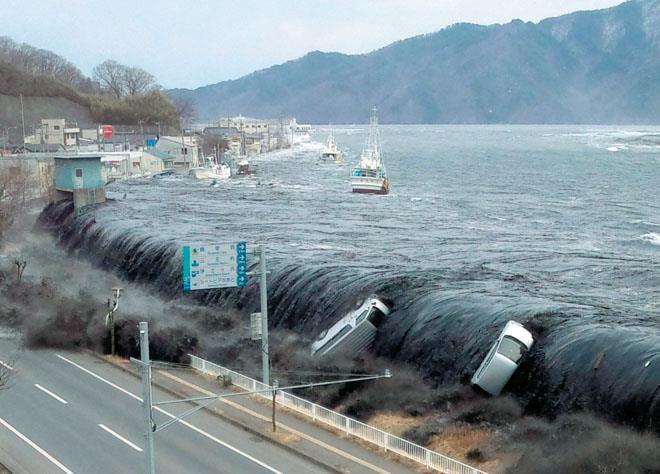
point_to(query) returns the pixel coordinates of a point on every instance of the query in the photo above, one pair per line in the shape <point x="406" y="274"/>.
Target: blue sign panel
<point x="214" y="266"/>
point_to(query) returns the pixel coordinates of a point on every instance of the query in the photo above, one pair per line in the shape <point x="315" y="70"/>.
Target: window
<point x="56" y="127"/>
<point x="79" y="173"/>
<point x="361" y="317"/>
<point x="489" y="357"/>
<point x="337" y="336"/>
<point x="511" y="349"/>
<point x="376" y="316"/>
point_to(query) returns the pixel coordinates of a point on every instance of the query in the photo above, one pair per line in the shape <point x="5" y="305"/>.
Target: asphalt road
<point x="70" y="412"/>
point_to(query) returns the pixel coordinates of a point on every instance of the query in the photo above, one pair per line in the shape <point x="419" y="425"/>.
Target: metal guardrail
<point x="380" y="438"/>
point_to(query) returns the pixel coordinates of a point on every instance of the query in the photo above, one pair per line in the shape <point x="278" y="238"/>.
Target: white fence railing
<point x="380" y="438"/>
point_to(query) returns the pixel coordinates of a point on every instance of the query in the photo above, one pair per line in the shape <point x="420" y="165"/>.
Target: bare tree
<point x="6" y="371"/>
<point x="17" y="186"/>
<point x="110" y="75"/>
<point x="185" y="108"/>
<point x="40" y="62"/>
<point x="20" y="268"/>
<point x="138" y="81"/>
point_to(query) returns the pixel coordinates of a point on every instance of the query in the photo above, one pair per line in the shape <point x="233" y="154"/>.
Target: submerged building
<point x="79" y="178"/>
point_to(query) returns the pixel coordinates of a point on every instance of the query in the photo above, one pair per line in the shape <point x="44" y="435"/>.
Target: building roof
<point x="224" y="131"/>
<point x="160" y="154"/>
<point x="40" y="147"/>
<point x="80" y="156"/>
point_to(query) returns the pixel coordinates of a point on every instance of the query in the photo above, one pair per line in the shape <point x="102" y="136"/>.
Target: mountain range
<point x="600" y="66"/>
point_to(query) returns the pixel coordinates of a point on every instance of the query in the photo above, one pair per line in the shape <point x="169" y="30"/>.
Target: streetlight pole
<point x="146" y="398"/>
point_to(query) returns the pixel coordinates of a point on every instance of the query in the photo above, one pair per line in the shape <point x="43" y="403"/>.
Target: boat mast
<point x="374" y="136"/>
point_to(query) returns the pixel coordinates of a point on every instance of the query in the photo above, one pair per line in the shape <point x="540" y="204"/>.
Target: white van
<point x="503" y="358"/>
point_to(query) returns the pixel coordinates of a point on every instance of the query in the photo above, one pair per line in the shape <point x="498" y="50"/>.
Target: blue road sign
<point x="222" y="265"/>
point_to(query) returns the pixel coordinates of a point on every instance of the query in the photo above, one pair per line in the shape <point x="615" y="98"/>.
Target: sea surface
<point x="557" y="227"/>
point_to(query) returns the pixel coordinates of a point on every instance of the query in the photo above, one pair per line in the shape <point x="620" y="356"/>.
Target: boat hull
<point x="370" y="185"/>
<point x="199" y="173"/>
<point x="331" y="157"/>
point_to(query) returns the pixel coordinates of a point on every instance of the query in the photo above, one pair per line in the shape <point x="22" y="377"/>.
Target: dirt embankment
<point x="36" y="108"/>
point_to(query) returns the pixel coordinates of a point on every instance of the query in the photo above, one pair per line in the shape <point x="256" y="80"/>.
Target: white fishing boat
<point x="330" y="153"/>
<point x="369" y="175"/>
<point x="212" y="170"/>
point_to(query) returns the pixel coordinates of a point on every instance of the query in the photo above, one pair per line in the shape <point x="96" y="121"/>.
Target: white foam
<point x="651" y="238"/>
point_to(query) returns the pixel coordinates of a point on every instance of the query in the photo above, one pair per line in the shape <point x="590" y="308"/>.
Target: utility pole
<point x="275" y="386"/>
<point x="263" y="287"/>
<point x="146" y="398"/>
<point x="147" y="401"/>
<point x="110" y="318"/>
<point x="23" y="118"/>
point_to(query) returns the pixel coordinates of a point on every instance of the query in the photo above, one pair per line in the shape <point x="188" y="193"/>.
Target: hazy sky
<point x="197" y="42"/>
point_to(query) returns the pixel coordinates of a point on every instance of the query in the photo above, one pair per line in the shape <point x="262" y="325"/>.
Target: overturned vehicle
<point x="503" y="358"/>
<point x="354" y="332"/>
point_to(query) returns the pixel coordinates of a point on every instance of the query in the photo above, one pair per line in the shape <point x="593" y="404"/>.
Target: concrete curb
<point x="235" y="423"/>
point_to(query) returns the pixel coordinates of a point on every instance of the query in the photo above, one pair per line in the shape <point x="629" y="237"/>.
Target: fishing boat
<point x="330" y="153"/>
<point x="369" y="175"/>
<point x="212" y="170"/>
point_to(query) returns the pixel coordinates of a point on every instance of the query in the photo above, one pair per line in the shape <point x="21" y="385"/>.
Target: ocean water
<point x="557" y="227"/>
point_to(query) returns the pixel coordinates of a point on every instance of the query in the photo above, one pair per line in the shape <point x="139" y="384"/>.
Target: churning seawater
<point x="557" y="227"/>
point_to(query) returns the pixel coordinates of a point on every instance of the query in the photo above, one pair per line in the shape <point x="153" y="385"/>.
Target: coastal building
<point x="155" y="161"/>
<point x="184" y="150"/>
<point x="244" y="124"/>
<point x="56" y="132"/>
<point x="79" y="178"/>
<point x="295" y="127"/>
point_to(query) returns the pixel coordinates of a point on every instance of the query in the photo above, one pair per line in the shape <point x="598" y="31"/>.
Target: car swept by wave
<point x="354" y="332"/>
<point x="503" y="358"/>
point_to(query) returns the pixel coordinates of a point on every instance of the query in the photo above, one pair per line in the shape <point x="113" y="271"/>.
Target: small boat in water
<point x="211" y="171"/>
<point x="369" y="175"/>
<point x="330" y="153"/>
<point x="243" y="168"/>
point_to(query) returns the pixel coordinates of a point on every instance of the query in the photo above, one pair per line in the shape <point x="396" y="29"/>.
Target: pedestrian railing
<point x="380" y="438"/>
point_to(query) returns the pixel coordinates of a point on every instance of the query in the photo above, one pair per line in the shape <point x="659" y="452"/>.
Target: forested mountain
<point x="599" y="66"/>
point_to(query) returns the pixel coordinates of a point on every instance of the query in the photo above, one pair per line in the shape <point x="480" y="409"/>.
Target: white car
<point x="353" y="332"/>
<point x="503" y="358"/>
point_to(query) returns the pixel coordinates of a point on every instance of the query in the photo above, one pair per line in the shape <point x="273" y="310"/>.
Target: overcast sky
<point x="191" y="43"/>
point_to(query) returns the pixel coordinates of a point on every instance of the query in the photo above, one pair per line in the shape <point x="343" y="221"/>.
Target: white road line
<point x="120" y="437"/>
<point x="6" y="366"/>
<point x="37" y="448"/>
<point x="56" y="397"/>
<point x="184" y="423"/>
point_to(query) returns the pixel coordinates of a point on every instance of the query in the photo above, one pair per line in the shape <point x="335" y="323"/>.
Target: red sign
<point x="107" y="131"/>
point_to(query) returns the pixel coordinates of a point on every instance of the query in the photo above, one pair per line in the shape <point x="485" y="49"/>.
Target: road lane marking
<point x="166" y="413"/>
<point x="100" y="378"/>
<point x="48" y="392"/>
<point x="310" y="438"/>
<point x="120" y="437"/>
<point x="6" y="366"/>
<point x="34" y="445"/>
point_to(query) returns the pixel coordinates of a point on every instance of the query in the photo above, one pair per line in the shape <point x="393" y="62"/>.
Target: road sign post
<point x="224" y="266"/>
<point x="263" y="288"/>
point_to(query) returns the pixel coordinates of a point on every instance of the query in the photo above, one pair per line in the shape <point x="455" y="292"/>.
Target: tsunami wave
<point x="581" y="360"/>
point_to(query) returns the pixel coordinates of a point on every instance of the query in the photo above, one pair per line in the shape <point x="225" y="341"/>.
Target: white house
<point x="184" y="150"/>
